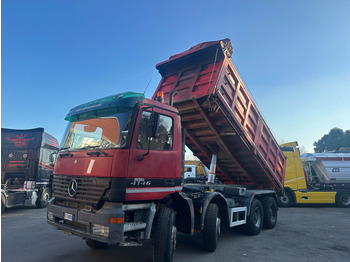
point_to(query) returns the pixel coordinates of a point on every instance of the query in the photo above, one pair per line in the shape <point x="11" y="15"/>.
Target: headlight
<point x="100" y="230"/>
<point x="50" y="216"/>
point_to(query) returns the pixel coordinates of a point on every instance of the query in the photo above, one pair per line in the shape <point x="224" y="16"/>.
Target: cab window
<point x="188" y="169"/>
<point x="158" y="135"/>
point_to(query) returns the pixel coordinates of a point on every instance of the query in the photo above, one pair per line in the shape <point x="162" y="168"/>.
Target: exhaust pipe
<point x="211" y="177"/>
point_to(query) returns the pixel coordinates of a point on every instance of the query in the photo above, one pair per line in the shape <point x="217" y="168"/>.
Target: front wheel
<point x="286" y="200"/>
<point x="211" y="230"/>
<point x="343" y="199"/>
<point x="43" y="198"/>
<point x="165" y="231"/>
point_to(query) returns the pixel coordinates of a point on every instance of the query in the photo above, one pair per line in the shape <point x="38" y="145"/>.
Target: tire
<point x="286" y="200"/>
<point x="270" y="212"/>
<point x="255" y="220"/>
<point x="95" y="244"/>
<point x="3" y="203"/>
<point x="211" y="230"/>
<point x="164" y="242"/>
<point x="343" y="199"/>
<point x="43" y="198"/>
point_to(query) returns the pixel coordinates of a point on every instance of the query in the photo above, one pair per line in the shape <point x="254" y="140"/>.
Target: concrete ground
<point x="306" y="233"/>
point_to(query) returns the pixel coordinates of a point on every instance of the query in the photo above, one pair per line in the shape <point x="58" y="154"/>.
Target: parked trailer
<point x="119" y="175"/>
<point x="26" y="167"/>
<point x="327" y="168"/>
<point x="318" y="178"/>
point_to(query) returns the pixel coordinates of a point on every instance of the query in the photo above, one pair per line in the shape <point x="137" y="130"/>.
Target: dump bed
<point x="329" y="167"/>
<point x="220" y="116"/>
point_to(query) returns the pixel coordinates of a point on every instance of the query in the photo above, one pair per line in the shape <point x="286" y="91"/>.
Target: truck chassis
<point x="197" y="208"/>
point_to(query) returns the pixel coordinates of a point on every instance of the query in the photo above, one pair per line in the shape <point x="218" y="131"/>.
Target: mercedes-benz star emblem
<point x="72" y="187"/>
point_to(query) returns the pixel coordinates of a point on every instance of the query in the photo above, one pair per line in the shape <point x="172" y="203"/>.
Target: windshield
<point x="104" y="132"/>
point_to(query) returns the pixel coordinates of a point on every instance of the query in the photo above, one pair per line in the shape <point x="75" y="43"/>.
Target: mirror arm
<point x="142" y="156"/>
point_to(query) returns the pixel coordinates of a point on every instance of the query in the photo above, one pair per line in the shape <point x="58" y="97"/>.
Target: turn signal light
<point x="116" y="220"/>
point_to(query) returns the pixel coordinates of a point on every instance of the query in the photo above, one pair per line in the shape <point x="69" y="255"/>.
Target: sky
<point x="294" y="56"/>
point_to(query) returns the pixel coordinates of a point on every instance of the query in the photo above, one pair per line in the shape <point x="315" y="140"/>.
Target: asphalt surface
<point x="307" y="233"/>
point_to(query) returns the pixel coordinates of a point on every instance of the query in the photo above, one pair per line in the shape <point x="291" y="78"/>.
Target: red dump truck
<point x="118" y="177"/>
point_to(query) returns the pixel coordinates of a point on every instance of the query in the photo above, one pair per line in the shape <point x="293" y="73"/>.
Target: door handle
<point x="169" y="182"/>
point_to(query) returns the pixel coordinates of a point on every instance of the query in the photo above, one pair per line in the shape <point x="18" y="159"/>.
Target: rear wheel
<point x="343" y="199"/>
<point x="270" y="212"/>
<point x="211" y="230"/>
<point x="286" y="200"/>
<point x="43" y="198"/>
<point x="255" y="219"/>
<point x="165" y="231"/>
<point x="95" y="244"/>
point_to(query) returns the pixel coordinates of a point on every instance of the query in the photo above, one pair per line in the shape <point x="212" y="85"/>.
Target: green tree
<point x="334" y="140"/>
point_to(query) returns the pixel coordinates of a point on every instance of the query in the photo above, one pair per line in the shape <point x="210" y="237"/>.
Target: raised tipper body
<point x="220" y="116"/>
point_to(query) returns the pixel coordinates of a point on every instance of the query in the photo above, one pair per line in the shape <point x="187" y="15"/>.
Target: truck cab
<point x="123" y="148"/>
<point x="190" y="173"/>
<point x="312" y="178"/>
<point x="136" y="145"/>
<point x="195" y="172"/>
<point x="27" y="159"/>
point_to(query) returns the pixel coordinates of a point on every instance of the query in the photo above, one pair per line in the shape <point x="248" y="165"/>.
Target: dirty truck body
<point x="119" y="175"/>
<point x="26" y="167"/>
<point x="319" y="178"/>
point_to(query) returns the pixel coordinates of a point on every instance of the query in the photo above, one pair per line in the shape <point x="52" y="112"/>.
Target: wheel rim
<point x="173" y="236"/>
<point x="273" y="212"/>
<point x="345" y="199"/>
<point x="257" y="217"/>
<point x="218" y="226"/>
<point x="284" y="200"/>
<point x="45" y="197"/>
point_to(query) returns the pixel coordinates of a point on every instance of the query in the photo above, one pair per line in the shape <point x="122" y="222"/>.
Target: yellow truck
<point x="195" y="172"/>
<point x="319" y="178"/>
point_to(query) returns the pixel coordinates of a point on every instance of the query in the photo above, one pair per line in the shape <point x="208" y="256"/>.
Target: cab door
<point x="155" y="155"/>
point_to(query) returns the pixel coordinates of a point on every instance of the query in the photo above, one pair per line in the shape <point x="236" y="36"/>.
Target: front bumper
<point x="79" y="222"/>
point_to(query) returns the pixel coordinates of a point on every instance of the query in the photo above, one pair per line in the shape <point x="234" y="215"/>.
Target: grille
<point x="89" y="191"/>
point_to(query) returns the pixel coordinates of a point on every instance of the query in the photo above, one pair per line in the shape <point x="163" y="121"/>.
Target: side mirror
<point x="123" y="137"/>
<point x="151" y="132"/>
<point x="52" y="158"/>
<point x="154" y="124"/>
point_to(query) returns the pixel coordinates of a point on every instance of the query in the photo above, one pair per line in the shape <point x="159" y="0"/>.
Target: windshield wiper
<point x="93" y="147"/>
<point x="65" y="154"/>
